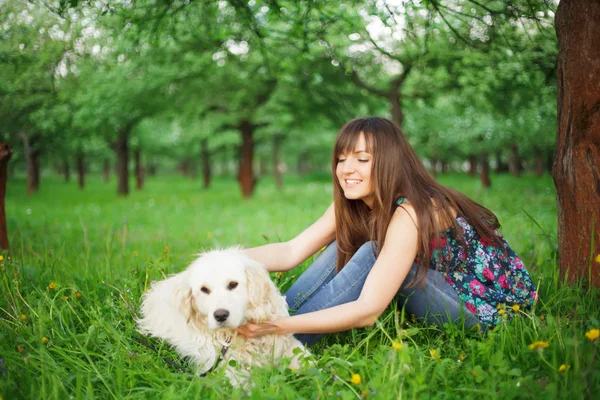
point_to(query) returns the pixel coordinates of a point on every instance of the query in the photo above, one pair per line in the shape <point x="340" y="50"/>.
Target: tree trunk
<point x="206" y="170"/>
<point x="262" y="166"/>
<point x="80" y="170"/>
<point x="472" y="164"/>
<point x="444" y="166"/>
<point x="121" y="147"/>
<point x="514" y="163"/>
<point x="277" y="166"/>
<point x="485" y="171"/>
<point x="152" y="169"/>
<point x="245" y="173"/>
<point x="396" y="107"/>
<point x="66" y="169"/>
<point x="32" y="157"/>
<point x="139" y="169"/>
<point x="5" y="154"/>
<point x="539" y="162"/>
<point x="302" y="163"/>
<point x="106" y="170"/>
<point x="576" y="169"/>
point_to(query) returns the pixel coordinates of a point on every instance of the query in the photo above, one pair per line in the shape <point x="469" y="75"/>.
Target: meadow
<point x="80" y="260"/>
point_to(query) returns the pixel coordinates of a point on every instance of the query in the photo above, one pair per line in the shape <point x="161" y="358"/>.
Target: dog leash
<point x="178" y="367"/>
<point x="169" y="361"/>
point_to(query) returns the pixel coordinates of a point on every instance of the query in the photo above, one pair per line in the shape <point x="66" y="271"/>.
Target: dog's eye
<point x="204" y="289"/>
<point x="232" y="285"/>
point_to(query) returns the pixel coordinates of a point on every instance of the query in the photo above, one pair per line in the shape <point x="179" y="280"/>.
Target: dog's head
<point x="226" y="289"/>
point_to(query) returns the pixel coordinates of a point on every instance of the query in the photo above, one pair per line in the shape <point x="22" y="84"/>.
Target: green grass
<point x="107" y="250"/>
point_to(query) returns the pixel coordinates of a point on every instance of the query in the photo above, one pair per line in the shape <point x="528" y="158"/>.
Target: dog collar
<point x="221" y="356"/>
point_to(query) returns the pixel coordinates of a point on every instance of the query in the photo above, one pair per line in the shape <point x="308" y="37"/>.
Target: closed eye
<point x="204" y="289"/>
<point x="232" y="285"/>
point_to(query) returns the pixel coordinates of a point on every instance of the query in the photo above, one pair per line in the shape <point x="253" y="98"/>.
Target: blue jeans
<point x="319" y="287"/>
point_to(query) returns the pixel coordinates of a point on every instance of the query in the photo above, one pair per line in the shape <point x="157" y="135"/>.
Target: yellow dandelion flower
<point x="279" y="275"/>
<point x="52" y="286"/>
<point x="135" y="253"/>
<point x="77" y="295"/>
<point x="462" y="357"/>
<point x="1" y="257"/>
<point x="539" y="345"/>
<point x="356" y="379"/>
<point x="501" y="312"/>
<point x="516" y="308"/>
<point x="397" y="345"/>
<point x="293" y="369"/>
<point x="597" y="258"/>
<point x="498" y="306"/>
<point x="593" y="334"/>
<point x="45" y="340"/>
<point x="20" y="348"/>
<point x="563" y="368"/>
<point x="364" y="394"/>
<point x="434" y="354"/>
<point x="542" y="317"/>
<point x="23" y="317"/>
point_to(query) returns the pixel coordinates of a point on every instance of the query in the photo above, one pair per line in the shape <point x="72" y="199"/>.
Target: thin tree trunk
<point x="277" y="166"/>
<point x="444" y="166"/>
<point x="262" y="166"/>
<point x="539" y="162"/>
<point x="80" y="170"/>
<point x="576" y="170"/>
<point x="472" y="164"/>
<point x="396" y="106"/>
<point x="122" y="151"/>
<point x="434" y="163"/>
<point x="514" y="163"/>
<point x="32" y="163"/>
<point x="245" y="173"/>
<point x="66" y="169"/>
<point x="106" y="170"/>
<point x="139" y="169"/>
<point x="485" y="171"/>
<point x="5" y="154"/>
<point x="206" y="170"/>
<point x="302" y="163"/>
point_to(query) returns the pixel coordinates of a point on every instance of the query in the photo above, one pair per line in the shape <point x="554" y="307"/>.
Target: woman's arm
<point x="287" y="255"/>
<point x="382" y="284"/>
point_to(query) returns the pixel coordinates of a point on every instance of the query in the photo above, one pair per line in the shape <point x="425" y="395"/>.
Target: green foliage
<point x="81" y="260"/>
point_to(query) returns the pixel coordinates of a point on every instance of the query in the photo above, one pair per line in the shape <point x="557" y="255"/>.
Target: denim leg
<point x="343" y="288"/>
<point x="436" y="302"/>
<point x="318" y="274"/>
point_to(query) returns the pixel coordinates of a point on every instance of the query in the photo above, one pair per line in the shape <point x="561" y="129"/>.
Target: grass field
<point x="80" y="260"/>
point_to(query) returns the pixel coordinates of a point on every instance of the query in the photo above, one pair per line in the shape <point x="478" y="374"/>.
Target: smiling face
<point x="353" y="171"/>
<point x="219" y="289"/>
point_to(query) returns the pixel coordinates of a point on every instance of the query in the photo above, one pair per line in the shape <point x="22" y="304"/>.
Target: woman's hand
<point x="252" y="330"/>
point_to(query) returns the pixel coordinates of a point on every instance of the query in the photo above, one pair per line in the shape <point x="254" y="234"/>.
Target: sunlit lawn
<point x="80" y="260"/>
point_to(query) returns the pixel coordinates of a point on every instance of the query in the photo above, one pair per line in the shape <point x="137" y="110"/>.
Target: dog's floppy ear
<point x="264" y="301"/>
<point x="167" y="307"/>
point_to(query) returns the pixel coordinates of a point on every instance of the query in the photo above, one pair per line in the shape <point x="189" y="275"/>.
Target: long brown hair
<point x="397" y="171"/>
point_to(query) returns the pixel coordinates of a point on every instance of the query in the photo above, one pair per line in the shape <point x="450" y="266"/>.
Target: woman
<point x="393" y="229"/>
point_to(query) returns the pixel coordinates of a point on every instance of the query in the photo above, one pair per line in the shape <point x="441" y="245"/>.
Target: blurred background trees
<point x="249" y="88"/>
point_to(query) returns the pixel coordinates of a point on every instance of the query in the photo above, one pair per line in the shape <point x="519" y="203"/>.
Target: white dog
<point x="198" y="310"/>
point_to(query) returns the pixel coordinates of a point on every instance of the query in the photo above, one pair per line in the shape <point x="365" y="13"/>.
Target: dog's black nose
<point x="221" y="315"/>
